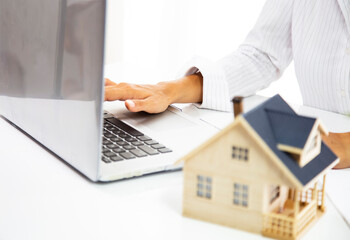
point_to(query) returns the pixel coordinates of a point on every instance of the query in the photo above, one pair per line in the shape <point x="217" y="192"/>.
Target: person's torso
<point x="321" y="52"/>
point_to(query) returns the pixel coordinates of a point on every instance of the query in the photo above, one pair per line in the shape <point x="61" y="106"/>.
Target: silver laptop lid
<point x="51" y="75"/>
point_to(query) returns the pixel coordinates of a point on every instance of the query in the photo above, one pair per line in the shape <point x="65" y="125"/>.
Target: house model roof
<point x="290" y="129"/>
<point x="277" y="123"/>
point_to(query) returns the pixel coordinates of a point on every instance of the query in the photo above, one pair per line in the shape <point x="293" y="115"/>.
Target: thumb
<point x="135" y="105"/>
<point x="147" y="105"/>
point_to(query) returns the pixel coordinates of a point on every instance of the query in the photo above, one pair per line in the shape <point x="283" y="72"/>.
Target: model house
<point x="264" y="173"/>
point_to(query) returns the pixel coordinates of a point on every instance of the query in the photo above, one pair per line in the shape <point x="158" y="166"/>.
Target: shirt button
<point x="342" y="93"/>
<point x="347" y="51"/>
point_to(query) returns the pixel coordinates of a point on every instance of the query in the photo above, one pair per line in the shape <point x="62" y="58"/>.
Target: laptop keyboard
<point x="122" y="142"/>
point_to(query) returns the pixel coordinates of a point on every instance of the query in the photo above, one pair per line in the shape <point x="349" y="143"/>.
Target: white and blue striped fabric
<point x="313" y="33"/>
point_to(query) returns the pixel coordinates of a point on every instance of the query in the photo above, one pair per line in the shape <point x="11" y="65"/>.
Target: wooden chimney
<point x="237" y="105"/>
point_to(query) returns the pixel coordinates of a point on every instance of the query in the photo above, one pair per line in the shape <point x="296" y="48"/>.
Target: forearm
<point x="340" y="144"/>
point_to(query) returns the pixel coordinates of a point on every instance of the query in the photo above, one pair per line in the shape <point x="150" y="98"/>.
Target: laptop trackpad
<point x="158" y="122"/>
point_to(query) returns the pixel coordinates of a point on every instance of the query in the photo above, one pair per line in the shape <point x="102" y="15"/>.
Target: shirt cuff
<point x="215" y="87"/>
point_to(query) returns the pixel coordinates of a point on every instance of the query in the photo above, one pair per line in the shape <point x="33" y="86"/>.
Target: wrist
<point x="188" y="89"/>
<point x="171" y="90"/>
<point x="193" y="88"/>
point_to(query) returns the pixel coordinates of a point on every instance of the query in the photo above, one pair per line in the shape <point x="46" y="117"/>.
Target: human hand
<point x="155" y="98"/>
<point x="148" y="98"/>
<point x="340" y="144"/>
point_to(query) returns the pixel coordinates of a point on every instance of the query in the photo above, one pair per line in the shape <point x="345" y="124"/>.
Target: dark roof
<point x="290" y="129"/>
<point x="271" y="120"/>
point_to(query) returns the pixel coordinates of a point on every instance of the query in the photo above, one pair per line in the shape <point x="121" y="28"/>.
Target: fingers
<point x="138" y="106"/>
<point x="124" y="92"/>
<point x="108" y="82"/>
<point x="148" y="98"/>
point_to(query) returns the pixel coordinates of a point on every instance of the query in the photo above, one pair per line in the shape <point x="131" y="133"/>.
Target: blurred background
<point x="155" y="38"/>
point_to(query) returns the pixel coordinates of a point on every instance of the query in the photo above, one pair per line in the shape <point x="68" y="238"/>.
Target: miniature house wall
<point x="250" y="175"/>
<point x="234" y="179"/>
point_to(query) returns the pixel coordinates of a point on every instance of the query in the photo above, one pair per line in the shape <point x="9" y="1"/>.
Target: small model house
<point x="264" y="173"/>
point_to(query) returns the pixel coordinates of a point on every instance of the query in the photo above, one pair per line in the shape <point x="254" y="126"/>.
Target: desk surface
<point x="42" y="198"/>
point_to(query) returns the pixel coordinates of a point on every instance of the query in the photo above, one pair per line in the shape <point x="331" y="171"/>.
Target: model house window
<point x="240" y="153"/>
<point x="313" y="143"/>
<point x="204" y="186"/>
<point x="240" y="194"/>
<point x="274" y="193"/>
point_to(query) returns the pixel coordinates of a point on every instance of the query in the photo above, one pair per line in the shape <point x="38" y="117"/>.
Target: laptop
<point x="52" y="89"/>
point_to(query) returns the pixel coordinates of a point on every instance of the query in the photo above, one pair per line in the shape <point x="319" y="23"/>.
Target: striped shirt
<point x="313" y="33"/>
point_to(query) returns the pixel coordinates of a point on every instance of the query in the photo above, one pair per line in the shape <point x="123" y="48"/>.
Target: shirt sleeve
<point x="260" y="60"/>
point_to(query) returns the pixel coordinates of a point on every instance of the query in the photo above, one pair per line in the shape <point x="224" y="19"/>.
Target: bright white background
<point x="156" y="37"/>
<point x="41" y="198"/>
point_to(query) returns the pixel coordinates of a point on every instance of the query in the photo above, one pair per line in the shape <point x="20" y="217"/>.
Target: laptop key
<point x="144" y="138"/>
<point x="127" y="155"/>
<point x="106" y="160"/>
<point x="151" y="142"/>
<point x="128" y="147"/>
<point x="109" y="135"/>
<point x="117" y="158"/>
<point x="125" y="127"/>
<point x="112" y="146"/>
<point x="123" y="135"/>
<point x="107" y="142"/>
<point x="130" y="139"/>
<point x="137" y="143"/>
<point x="148" y="150"/>
<point x="118" y="150"/>
<point x="116" y="139"/>
<point x="117" y="131"/>
<point x="104" y="150"/>
<point x="110" y="154"/>
<point x="164" y="150"/>
<point x="122" y="143"/>
<point x="138" y="153"/>
<point x="157" y="146"/>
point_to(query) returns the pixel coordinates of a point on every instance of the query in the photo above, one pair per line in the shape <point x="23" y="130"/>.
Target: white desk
<point x="42" y="198"/>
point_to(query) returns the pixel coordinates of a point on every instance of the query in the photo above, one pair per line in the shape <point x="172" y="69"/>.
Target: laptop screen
<point x="51" y="77"/>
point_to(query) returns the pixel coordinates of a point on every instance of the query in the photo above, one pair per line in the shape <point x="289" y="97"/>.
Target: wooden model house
<point x="264" y="173"/>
